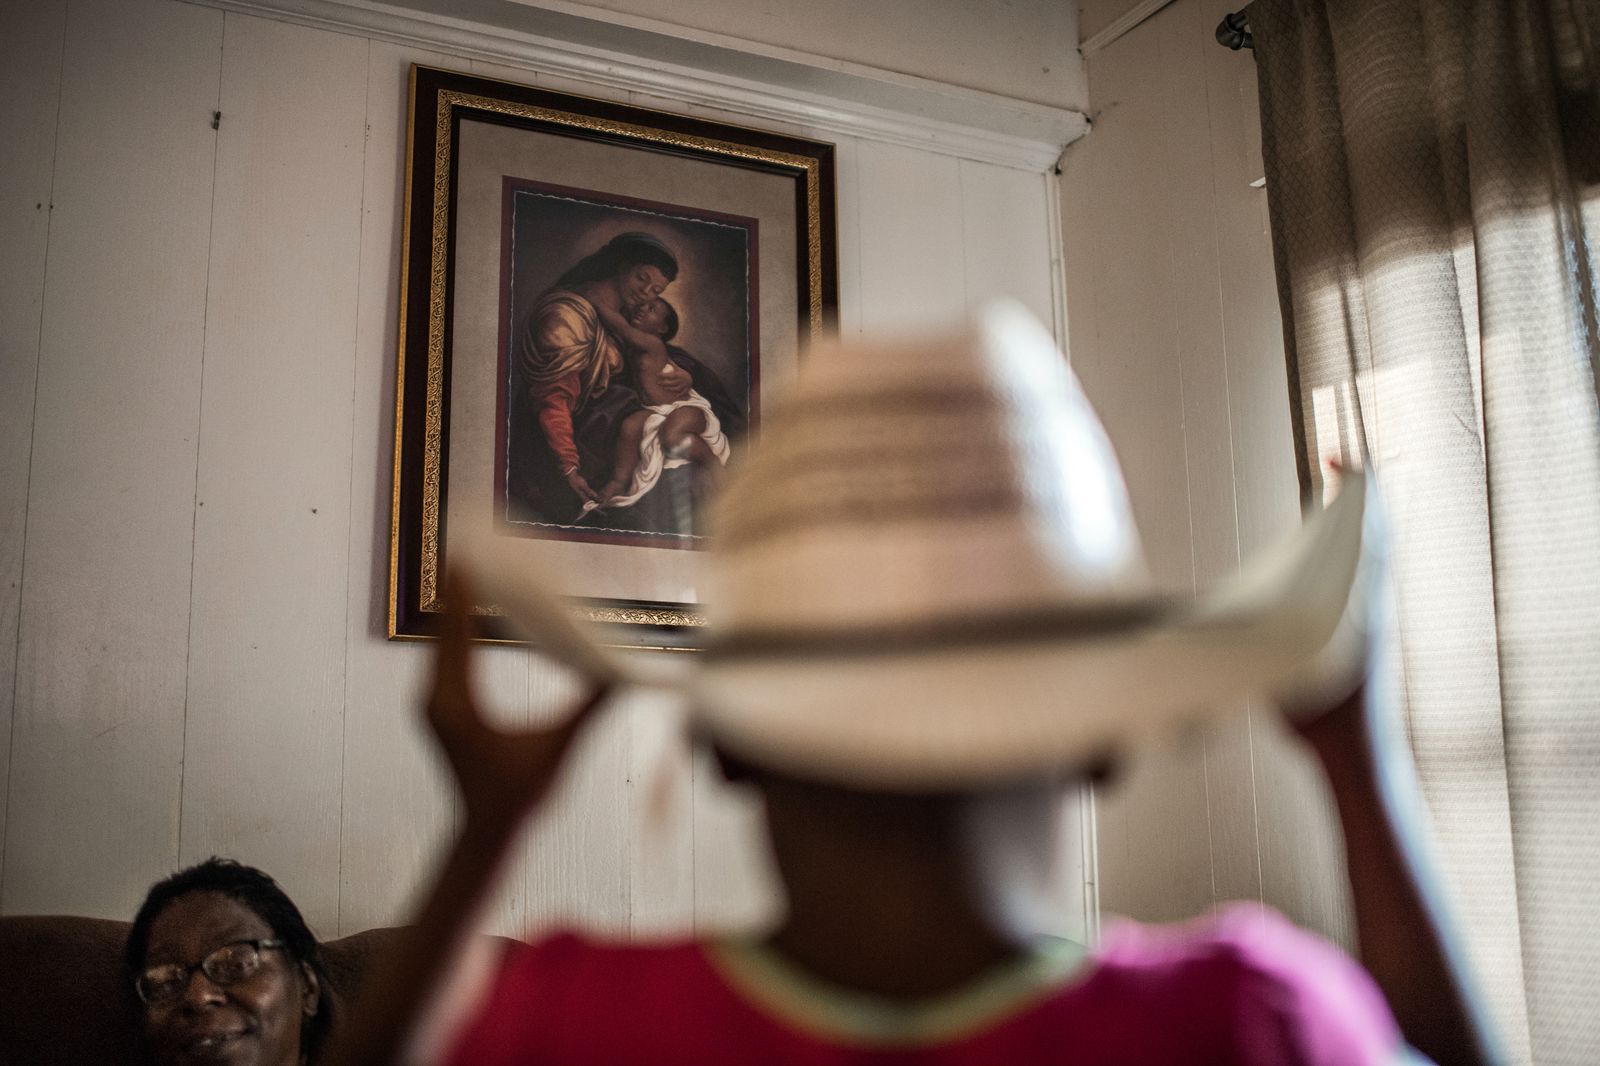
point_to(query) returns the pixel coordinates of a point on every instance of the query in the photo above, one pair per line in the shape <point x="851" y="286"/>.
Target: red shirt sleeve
<point x="1300" y="999"/>
<point x="555" y="416"/>
<point x="1243" y="987"/>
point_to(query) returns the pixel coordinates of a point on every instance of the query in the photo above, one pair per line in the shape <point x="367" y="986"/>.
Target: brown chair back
<point x="65" y="998"/>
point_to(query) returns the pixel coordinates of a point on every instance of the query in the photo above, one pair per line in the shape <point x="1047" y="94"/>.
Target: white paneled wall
<point x="395" y="804"/>
<point x="195" y="433"/>
<point x="271" y="518"/>
<point x="1174" y="329"/>
<point x="33" y="36"/>
<point x="103" y="629"/>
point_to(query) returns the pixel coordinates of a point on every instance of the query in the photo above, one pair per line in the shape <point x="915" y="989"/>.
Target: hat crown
<point x="919" y="481"/>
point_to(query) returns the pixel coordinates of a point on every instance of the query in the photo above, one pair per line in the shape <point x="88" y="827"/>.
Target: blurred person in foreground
<point x="929" y="617"/>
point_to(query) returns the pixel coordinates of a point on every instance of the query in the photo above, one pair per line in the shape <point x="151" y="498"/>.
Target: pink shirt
<point x="1243" y="988"/>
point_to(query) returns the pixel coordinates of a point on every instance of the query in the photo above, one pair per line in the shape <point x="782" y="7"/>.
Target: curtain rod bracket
<point x="1234" y="32"/>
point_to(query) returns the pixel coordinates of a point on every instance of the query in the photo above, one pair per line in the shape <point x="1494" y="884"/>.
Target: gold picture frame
<point x="520" y="203"/>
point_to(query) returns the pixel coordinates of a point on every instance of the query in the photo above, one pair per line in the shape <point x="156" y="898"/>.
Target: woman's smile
<point x="253" y="1020"/>
<point x="213" y="1043"/>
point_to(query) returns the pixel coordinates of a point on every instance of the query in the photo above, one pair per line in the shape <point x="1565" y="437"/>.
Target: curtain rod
<point x="1234" y="32"/>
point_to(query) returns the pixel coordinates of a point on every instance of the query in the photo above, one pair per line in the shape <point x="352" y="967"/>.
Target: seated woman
<point x="226" y="970"/>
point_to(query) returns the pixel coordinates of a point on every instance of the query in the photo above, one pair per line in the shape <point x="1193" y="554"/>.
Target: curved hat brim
<point x="986" y="699"/>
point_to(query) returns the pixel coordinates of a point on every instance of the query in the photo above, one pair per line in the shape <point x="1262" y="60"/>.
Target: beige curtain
<point x="1433" y="170"/>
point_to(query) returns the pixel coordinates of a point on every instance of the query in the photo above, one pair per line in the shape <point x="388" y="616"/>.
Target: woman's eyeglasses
<point x="229" y="964"/>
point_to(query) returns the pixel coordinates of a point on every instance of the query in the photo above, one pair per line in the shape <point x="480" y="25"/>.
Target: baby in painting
<point x="676" y="426"/>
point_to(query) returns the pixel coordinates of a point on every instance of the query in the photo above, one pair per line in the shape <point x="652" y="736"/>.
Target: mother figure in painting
<point x="571" y="392"/>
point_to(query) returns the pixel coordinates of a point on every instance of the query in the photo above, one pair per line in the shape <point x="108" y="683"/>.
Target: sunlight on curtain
<point x="1433" y="168"/>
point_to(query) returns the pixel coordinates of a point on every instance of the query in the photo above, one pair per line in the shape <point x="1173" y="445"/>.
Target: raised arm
<point x="418" y="996"/>
<point x="1402" y="922"/>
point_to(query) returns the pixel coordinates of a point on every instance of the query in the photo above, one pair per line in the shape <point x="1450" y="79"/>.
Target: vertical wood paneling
<point x="1301" y="857"/>
<point x="847" y="204"/>
<point x="507" y="685"/>
<point x="104" y="618"/>
<point x="661" y="819"/>
<point x="735" y="884"/>
<point x="398" y="807"/>
<point x="1171" y="44"/>
<point x="1174" y="328"/>
<point x="267" y="656"/>
<point x="913" y="271"/>
<point x="1005" y="241"/>
<point x="572" y="868"/>
<point x="577" y="869"/>
<point x="586" y="870"/>
<point x="1007" y="248"/>
<point x="1154" y="836"/>
<point x="31" y="40"/>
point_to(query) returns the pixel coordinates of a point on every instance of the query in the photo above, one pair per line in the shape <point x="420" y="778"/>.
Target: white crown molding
<point x="837" y="98"/>
<point x="1128" y="20"/>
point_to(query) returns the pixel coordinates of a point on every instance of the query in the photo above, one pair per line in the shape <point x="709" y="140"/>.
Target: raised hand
<point x="424" y="986"/>
<point x="502" y="774"/>
<point x="1407" y="941"/>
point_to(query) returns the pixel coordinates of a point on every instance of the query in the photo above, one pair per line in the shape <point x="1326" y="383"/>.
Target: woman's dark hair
<point x="250" y="888"/>
<point x="620" y="252"/>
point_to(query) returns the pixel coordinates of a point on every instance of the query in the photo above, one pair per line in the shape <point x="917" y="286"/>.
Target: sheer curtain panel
<point x="1433" y="171"/>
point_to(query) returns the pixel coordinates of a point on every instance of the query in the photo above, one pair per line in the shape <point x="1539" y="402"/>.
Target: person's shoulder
<point x="563" y="302"/>
<point x="560" y="322"/>
<point x="1287" y="995"/>
<point x="1250" y="937"/>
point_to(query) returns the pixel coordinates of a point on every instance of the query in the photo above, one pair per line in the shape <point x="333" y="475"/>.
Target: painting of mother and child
<point x="628" y="364"/>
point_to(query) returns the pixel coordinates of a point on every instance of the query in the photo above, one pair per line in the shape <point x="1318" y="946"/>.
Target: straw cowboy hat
<point x="927" y="575"/>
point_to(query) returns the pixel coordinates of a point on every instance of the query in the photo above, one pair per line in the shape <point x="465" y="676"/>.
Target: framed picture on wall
<point x="594" y="299"/>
